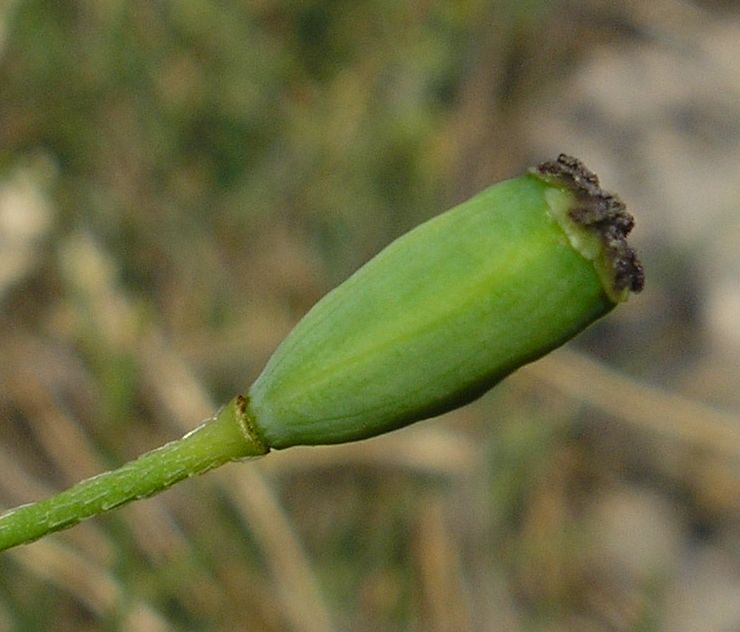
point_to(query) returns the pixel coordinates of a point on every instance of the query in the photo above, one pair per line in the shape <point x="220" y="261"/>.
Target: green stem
<point x="226" y="437"/>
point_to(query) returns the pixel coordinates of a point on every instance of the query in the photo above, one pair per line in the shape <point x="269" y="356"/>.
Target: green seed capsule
<point x="447" y="310"/>
<point x="431" y="323"/>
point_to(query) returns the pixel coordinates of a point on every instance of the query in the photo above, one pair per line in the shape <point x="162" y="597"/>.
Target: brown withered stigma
<point x="601" y="212"/>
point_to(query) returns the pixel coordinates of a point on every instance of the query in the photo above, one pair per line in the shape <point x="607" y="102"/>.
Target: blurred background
<point x="180" y="180"/>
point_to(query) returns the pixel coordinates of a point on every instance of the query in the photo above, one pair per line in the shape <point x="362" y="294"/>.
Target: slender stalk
<point x="226" y="437"/>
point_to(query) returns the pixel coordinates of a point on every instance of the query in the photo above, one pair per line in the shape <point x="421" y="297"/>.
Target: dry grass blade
<point x="420" y="451"/>
<point x="446" y="602"/>
<point x="650" y="408"/>
<point x="92" y="585"/>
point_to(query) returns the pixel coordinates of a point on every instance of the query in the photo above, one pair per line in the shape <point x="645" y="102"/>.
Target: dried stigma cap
<point x="597" y="216"/>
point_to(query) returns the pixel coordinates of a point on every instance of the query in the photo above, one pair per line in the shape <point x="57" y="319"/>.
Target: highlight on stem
<point x="429" y="324"/>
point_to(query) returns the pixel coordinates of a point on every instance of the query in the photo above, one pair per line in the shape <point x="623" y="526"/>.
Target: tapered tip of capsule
<point x="603" y="214"/>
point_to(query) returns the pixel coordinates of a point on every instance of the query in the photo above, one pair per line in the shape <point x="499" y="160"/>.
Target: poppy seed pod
<point x="429" y="324"/>
<point x="450" y="308"/>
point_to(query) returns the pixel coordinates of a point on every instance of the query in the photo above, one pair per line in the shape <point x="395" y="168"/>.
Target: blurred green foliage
<point x="175" y="125"/>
